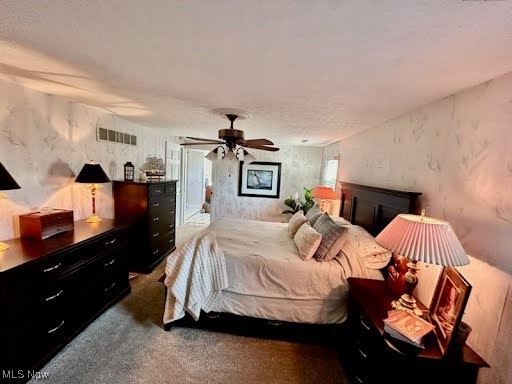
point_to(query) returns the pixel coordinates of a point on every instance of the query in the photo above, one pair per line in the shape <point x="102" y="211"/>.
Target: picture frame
<point x="447" y="307"/>
<point x="260" y="179"/>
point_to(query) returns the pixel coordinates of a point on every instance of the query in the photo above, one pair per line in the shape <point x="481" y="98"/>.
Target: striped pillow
<point x="333" y="237"/>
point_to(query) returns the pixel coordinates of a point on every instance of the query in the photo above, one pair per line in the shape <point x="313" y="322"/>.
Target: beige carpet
<point x="127" y="344"/>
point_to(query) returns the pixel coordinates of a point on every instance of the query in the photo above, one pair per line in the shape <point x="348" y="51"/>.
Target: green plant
<point x="297" y="204"/>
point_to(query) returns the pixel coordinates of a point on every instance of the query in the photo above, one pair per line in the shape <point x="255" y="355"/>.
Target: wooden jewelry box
<point x="41" y="225"/>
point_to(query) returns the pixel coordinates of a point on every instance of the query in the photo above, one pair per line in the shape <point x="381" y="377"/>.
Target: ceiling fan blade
<point x="259" y="142"/>
<point x="211" y="140"/>
<point x="262" y="147"/>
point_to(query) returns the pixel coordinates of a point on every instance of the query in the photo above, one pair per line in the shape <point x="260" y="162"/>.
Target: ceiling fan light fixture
<point x="213" y="155"/>
<point x="248" y="158"/>
<point x="230" y="155"/>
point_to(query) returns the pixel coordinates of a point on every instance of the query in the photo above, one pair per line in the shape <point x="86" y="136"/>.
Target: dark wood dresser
<point x="51" y="289"/>
<point x="150" y="209"/>
<point x="372" y="356"/>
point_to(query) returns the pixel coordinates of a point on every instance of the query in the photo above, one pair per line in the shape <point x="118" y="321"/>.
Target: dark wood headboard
<point x="372" y="207"/>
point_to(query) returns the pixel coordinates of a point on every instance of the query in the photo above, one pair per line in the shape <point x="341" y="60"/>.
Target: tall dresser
<point x="150" y="209"/>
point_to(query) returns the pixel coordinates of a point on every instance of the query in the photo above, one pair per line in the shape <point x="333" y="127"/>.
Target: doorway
<point x="197" y="187"/>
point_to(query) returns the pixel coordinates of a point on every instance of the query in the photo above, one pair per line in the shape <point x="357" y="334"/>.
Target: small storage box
<point x="41" y="225"/>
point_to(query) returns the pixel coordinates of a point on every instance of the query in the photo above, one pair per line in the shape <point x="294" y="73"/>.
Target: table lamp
<point x="324" y="193"/>
<point x="6" y="183"/>
<point x="425" y="239"/>
<point x="93" y="175"/>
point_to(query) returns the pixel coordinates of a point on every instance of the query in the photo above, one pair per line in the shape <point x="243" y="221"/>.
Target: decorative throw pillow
<point x="313" y="214"/>
<point x="330" y="233"/>
<point x="307" y="241"/>
<point x="341" y="220"/>
<point x="295" y="223"/>
<point x="372" y="254"/>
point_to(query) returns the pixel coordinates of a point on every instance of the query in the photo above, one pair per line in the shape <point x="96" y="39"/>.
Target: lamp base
<point x="3" y="247"/>
<point x="93" y="219"/>
<point x="407" y="303"/>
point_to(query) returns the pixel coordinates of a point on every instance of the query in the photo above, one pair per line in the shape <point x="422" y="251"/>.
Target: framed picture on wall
<point x="447" y="307"/>
<point x="259" y="179"/>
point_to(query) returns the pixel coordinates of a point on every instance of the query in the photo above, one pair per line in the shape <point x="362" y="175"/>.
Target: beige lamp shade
<point x="424" y="239"/>
<point x="324" y="193"/>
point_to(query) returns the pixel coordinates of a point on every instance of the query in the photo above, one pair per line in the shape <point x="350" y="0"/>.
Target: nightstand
<point x="371" y="356"/>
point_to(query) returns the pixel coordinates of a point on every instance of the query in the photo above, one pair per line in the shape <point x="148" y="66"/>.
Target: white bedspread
<point x="261" y="260"/>
<point x="195" y="274"/>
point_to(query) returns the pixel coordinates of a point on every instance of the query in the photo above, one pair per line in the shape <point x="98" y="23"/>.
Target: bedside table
<point x="372" y="356"/>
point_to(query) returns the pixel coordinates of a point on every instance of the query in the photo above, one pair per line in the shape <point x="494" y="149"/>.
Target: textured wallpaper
<point x="301" y="167"/>
<point x="44" y="142"/>
<point x="458" y="153"/>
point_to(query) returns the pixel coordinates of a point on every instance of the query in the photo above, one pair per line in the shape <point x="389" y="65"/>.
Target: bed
<point x="269" y="282"/>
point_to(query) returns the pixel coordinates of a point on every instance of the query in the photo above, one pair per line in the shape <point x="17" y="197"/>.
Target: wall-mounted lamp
<point x="92" y="174"/>
<point x="6" y="183"/>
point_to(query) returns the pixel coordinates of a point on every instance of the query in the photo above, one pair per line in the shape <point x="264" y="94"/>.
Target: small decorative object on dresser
<point x="45" y="223"/>
<point x="93" y="175"/>
<point x="150" y="208"/>
<point x="153" y="167"/>
<point x="129" y="171"/>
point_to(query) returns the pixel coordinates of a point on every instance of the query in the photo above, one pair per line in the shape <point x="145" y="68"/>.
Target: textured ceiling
<point x="304" y="70"/>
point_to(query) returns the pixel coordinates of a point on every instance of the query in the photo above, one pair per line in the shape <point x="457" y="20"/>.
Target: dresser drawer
<point x="157" y="190"/>
<point x="107" y="243"/>
<point x="161" y="246"/>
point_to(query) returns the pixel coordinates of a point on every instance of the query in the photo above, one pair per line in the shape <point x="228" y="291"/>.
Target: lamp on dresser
<point x="425" y="239"/>
<point x="93" y="175"/>
<point x="6" y="183"/>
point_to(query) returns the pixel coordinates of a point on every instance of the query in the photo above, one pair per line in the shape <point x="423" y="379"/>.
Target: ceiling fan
<point x="232" y="138"/>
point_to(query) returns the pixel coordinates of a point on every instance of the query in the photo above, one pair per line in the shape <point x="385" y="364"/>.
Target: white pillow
<point x="295" y="223"/>
<point x="307" y="241"/>
<point x="372" y="254"/>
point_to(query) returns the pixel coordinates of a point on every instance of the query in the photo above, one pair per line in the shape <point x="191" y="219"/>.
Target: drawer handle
<point x="110" y="242"/>
<point x="52" y="268"/>
<point x="109" y="263"/>
<point x="171" y="241"/>
<point x="364" y="324"/>
<point x="362" y="353"/>
<point x="54" y="296"/>
<point x="156" y="218"/>
<point x="109" y="288"/>
<point x="56" y="328"/>
<point x="171" y="212"/>
<point x="212" y="316"/>
<point x="158" y="190"/>
<point x="156" y="204"/>
<point x="274" y="323"/>
<point x="154" y="253"/>
<point x="171" y="225"/>
<point x="156" y="234"/>
<point x="359" y="380"/>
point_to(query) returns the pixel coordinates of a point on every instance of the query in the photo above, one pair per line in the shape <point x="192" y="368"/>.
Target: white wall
<point x="44" y="142"/>
<point x="301" y="167"/>
<point x="458" y="153"/>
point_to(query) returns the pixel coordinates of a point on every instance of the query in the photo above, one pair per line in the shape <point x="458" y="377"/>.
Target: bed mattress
<point x="268" y="279"/>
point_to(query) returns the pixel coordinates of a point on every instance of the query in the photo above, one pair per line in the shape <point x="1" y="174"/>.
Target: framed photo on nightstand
<point x="447" y="307"/>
